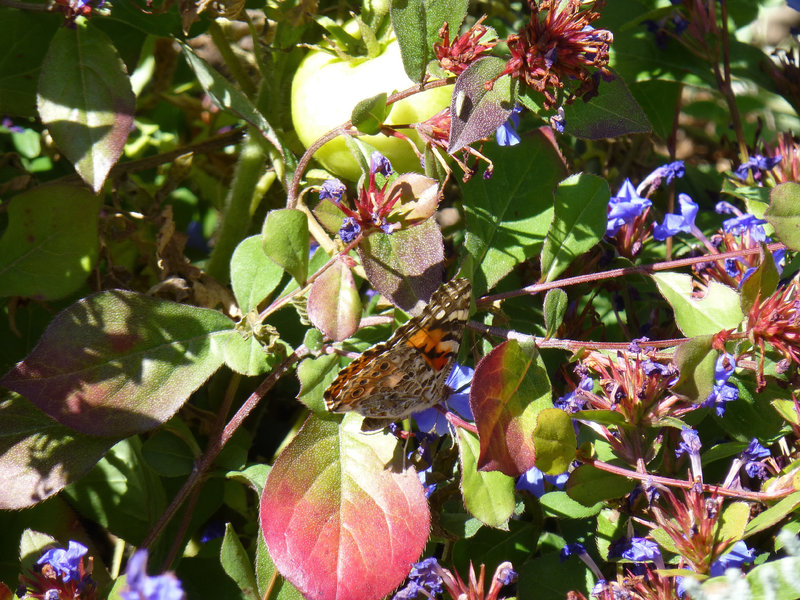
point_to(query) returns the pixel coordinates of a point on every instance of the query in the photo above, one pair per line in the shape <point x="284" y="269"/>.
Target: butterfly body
<point x="407" y="372"/>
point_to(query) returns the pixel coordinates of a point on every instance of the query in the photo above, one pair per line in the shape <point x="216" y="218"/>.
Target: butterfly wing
<point x="407" y="372"/>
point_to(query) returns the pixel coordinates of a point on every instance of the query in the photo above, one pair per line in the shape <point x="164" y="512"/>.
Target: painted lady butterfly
<point x="407" y="372"/>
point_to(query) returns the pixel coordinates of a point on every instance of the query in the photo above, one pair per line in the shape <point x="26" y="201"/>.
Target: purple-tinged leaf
<point x="343" y="520"/>
<point x="334" y="306"/>
<point x="406" y="266"/>
<point x="118" y="363"/>
<point x="614" y="112"/>
<point x="86" y="101"/>
<point x="38" y="456"/>
<point x="476" y="112"/>
<point x="50" y="245"/>
<point x="509" y="389"/>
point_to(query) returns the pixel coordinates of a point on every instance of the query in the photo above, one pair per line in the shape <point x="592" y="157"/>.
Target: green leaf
<point x="86" y="101"/>
<point x="476" y="112"/>
<point x="118" y="363"/>
<point x="696" y="360"/>
<point x="658" y="100"/>
<point x="507" y="216"/>
<point x="227" y="97"/>
<point x="548" y="577"/>
<point x="510" y="388"/>
<point x="237" y="564"/>
<point x="558" y="504"/>
<point x="437" y="12"/>
<point x="408" y="22"/>
<point x="589" y="485"/>
<point x="579" y="222"/>
<point x="334" y="304"/>
<point x="29" y="437"/>
<point x="24" y="34"/>
<point x="407" y="266"/>
<point x="784" y="213"/>
<point x="555" y="441"/>
<point x="555" y="307"/>
<point x="169" y="455"/>
<point x="50" y="245"/>
<point x="773" y="515"/>
<point x="614" y="112"/>
<point x="719" y="309"/>
<point x="490" y="547"/>
<point x="120" y="493"/>
<point x="733" y="521"/>
<point x="285" y="241"/>
<point x="487" y="496"/>
<point x="315" y="375"/>
<point x="253" y="275"/>
<point x="604" y="417"/>
<point x="368" y="115"/>
<point x="762" y="283"/>
<point x="338" y="497"/>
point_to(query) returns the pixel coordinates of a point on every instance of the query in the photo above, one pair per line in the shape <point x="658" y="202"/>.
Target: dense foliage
<point x="209" y="209"/>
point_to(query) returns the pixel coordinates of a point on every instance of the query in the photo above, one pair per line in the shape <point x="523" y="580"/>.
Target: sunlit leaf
<point x="334" y="305"/>
<point x="489" y="496"/>
<point x="118" y="363"/>
<point x="85" y="100"/>
<point x="509" y="389"/>
<point x="285" y="241"/>
<point x="334" y="501"/>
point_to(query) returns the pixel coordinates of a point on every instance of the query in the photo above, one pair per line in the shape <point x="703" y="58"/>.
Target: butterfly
<point x="407" y="372"/>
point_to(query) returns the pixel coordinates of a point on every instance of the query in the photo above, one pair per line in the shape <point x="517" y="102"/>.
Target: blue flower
<point x="558" y="121"/>
<point x="624" y="208"/>
<point x="572" y="549"/>
<point x="671" y="171"/>
<point x="575" y="401"/>
<point x="674" y="224"/>
<point x="459" y="380"/>
<point x="67" y="563"/>
<point x="795" y="4"/>
<point x="506" y="134"/>
<point x="723" y="391"/>
<point x="533" y="480"/>
<point x="332" y="189"/>
<point x="746" y="223"/>
<point x="691" y="443"/>
<point x="426" y="575"/>
<point x="636" y="549"/>
<point x="753" y="457"/>
<point x="757" y="164"/>
<point x="140" y="586"/>
<point x="349" y="230"/>
<point x="380" y="164"/>
<point x="738" y="555"/>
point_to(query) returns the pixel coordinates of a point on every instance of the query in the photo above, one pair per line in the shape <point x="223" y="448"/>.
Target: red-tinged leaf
<point x="341" y="518"/>
<point x="334" y="306"/>
<point x="85" y="100"/>
<point x="406" y="266"/>
<point x="38" y="456"/>
<point x="118" y="363"/>
<point x="509" y="389"/>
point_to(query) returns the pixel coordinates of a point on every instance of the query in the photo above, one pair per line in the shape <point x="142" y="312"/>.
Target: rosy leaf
<point x="406" y="266"/>
<point x="334" y="306"/>
<point x="510" y="387"/>
<point x="118" y="363"/>
<point x="341" y="518"/>
<point x="85" y="100"/>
